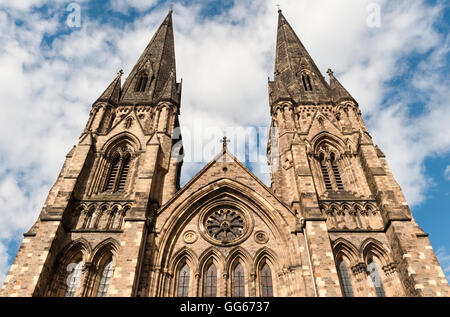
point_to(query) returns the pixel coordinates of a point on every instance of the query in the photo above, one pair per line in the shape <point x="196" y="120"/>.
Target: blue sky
<point x="52" y="72"/>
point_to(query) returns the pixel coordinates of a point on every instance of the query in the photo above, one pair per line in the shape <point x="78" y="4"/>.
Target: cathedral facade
<point x="333" y="223"/>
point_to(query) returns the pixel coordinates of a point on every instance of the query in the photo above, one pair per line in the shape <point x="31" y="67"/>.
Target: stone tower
<point x="338" y="182"/>
<point x="333" y="223"/>
<point x="120" y="171"/>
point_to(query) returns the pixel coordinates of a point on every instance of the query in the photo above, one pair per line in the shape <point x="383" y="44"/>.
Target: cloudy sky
<point x="54" y="66"/>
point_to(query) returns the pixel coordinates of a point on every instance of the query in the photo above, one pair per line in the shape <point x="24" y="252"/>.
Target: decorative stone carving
<point x="359" y="268"/>
<point x="390" y="268"/>
<point x="261" y="237"/>
<point x="225" y="224"/>
<point x="190" y="237"/>
<point x="365" y="213"/>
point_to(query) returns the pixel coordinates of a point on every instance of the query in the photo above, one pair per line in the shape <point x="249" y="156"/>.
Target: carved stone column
<point x="224" y="291"/>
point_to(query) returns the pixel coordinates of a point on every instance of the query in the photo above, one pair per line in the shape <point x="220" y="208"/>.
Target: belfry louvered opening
<point x="124" y="173"/>
<point x="337" y="175"/>
<point x="118" y="174"/>
<point x="325" y="174"/>
<point x="113" y="174"/>
<point x="306" y="80"/>
<point x="141" y="83"/>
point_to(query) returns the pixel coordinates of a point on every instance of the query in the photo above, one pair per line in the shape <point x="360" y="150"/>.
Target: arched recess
<point x="76" y="251"/>
<point x="105" y="252"/>
<point x="227" y="189"/>
<point x="113" y="169"/>
<point x="371" y="247"/>
<point x="326" y="138"/>
<point x="211" y="256"/>
<point x="102" y="216"/>
<point x="90" y="217"/>
<point x="331" y="164"/>
<point x="346" y="257"/>
<point x="361" y="216"/>
<point x="343" y="247"/>
<point x="141" y="82"/>
<point x="81" y="213"/>
<point x="307" y="79"/>
<point x="266" y="256"/>
<point x="183" y="257"/>
<point x="376" y="258"/>
<point x="239" y="256"/>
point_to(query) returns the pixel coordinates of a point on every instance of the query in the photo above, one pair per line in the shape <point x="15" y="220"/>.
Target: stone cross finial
<point x="224" y="142"/>
<point x="330" y="72"/>
<point x="120" y="73"/>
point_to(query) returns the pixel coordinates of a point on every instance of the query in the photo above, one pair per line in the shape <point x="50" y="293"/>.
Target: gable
<point x="226" y="170"/>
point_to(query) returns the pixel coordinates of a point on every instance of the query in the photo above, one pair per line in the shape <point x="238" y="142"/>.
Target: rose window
<point x="225" y="225"/>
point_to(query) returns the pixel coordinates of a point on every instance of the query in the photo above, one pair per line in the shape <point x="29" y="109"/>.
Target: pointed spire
<point x="293" y="61"/>
<point x="338" y="92"/>
<point x="156" y="63"/>
<point x="112" y="93"/>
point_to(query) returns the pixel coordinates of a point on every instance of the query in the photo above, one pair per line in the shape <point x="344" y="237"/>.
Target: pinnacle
<point x="338" y="92"/>
<point x="112" y="92"/>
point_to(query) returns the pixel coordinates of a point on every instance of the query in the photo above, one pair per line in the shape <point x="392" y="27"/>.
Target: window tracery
<point x="183" y="281"/>
<point x="107" y="273"/>
<point x="211" y="281"/>
<point x="238" y="281"/>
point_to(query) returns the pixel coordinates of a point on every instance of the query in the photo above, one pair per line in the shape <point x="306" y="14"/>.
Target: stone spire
<point x="338" y="92"/>
<point x="112" y="93"/>
<point x="293" y="65"/>
<point x="156" y="65"/>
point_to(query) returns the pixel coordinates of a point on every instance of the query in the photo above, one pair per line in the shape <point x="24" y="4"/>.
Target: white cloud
<point x="444" y="259"/>
<point x="125" y="5"/>
<point x="22" y="4"/>
<point x="447" y="172"/>
<point x="224" y="62"/>
<point x="4" y="266"/>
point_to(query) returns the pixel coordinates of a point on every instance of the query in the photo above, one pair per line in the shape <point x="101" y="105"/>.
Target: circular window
<point x="225" y="224"/>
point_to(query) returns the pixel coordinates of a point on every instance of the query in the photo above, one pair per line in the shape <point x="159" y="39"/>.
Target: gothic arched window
<point x="124" y="173"/>
<point x="337" y="175"/>
<point x="344" y="278"/>
<point x="238" y="281"/>
<point x="107" y="273"/>
<point x="211" y="281"/>
<point x="183" y="281"/>
<point x="266" y="281"/>
<point x="141" y="83"/>
<point x="373" y="270"/>
<point x="325" y="174"/>
<point x="118" y="173"/>
<point x="113" y="174"/>
<point x="73" y="280"/>
<point x="307" y="82"/>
